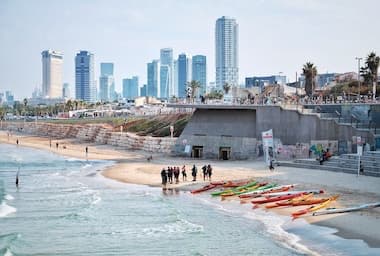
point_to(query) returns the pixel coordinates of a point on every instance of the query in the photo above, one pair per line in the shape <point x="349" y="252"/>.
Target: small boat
<point x="315" y="207"/>
<point x="315" y="192"/>
<point x="205" y="188"/>
<point x="289" y="201"/>
<point x="309" y="201"/>
<point x="226" y="192"/>
<point x="349" y="209"/>
<point x="274" y="199"/>
<point x="234" y="184"/>
<point x="218" y="183"/>
<point x="268" y="189"/>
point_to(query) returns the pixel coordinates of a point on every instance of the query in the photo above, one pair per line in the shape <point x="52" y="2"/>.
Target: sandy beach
<point x="133" y="167"/>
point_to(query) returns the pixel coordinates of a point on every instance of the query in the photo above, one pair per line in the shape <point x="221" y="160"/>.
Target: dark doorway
<point x="224" y="153"/>
<point x="197" y="152"/>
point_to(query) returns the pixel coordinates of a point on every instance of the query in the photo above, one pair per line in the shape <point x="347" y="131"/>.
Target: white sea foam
<point x="9" y="197"/>
<point x="177" y="227"/>
<point x="8" y="253"/>
<point x="86" y="166"/>
<point x="6" y="209"/>
<point x="96" y="199"/>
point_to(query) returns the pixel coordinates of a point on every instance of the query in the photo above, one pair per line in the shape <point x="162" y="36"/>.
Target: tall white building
<point x="52" y="74"/>
<point x="226" y="52"/>
<point x="166" y="73"/>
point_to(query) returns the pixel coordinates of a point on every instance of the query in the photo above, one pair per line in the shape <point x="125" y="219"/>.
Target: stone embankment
<point x="97" y="133"/>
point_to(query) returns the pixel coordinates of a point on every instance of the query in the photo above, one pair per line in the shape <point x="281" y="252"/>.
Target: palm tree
<point x="309" y="71"/>
<point x="226" y="88"/>
<point x="194" y="85"/>
<point x="372" y="63"/>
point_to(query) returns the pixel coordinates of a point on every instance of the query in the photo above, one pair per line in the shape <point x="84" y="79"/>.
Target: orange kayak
<point x="314" y="207"/>
<point x="205" y="188"/>
<point x="289" y="201"/>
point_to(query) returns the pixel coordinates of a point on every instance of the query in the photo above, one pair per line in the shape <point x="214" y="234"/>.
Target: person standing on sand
<point x="194" y="172"/>
<point x="209" y="172"/>
<point x="170" y="175"/>
<point x="176" y="174"/>
<point x="164" y="178"/>
<point x="56" y="145"/>
<point x="86" y="151"/>
<point x="184" y="175"/>
<point x="204" y="171"/>
<point x="17" y="141"/>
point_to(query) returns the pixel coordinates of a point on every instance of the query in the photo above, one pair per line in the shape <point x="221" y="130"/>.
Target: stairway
<point x="347" y="163"/>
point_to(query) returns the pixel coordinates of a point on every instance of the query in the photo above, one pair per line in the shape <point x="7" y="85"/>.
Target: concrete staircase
<point x="347" y="163"/>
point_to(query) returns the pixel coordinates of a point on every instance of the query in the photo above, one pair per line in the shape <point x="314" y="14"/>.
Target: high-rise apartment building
<point x="66" y="91"/>
<point x="153" y="77"/>
<point x="106" y="82"/>
<point x="131" y="88"/>
<point x="166" y="73"/>
<point x="52" y="74"/>
<point x="85" y="87"/>
<point x="226" y="52"/>
<point x="199" y="73"/>
<point x="183" y="74"/>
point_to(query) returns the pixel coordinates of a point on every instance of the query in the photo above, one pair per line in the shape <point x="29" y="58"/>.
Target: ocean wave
<point x="175" y="228"/>
<point x="6" y="209"/>
<point x="9" y="197"/>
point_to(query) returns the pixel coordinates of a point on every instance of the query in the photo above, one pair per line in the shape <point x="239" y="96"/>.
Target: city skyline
<point x="274" y="36"/>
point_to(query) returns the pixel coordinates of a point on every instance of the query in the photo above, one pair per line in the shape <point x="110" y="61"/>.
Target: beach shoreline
<point x="133" y="167"/>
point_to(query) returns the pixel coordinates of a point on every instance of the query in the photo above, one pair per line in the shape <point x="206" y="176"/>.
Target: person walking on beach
<point x="184" y="175"/>
<point x="204" y="171"/>
<point x="170" y="175"/>
<point x="17" y="141"/>
<point x="271" y="167"/>
<point x="56" y="145"/>
<point x="194" y="172"/>
<point x="209" y="172"/>
<point x="176" y="174"/>
<point x="164" y="178"/>
<point x="86" y="151"/>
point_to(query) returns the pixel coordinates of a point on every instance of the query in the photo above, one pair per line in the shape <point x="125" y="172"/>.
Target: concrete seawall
<point x="97" y="133"/>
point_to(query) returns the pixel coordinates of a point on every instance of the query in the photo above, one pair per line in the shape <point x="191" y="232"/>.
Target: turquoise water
<point x="65" y="207"/>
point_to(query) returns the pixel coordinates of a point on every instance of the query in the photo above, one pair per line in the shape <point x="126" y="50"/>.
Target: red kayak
<point x="218" y="183"/>
<point x="233" y="184"/>
<point x="205" y="188"/>
<point x="274" y="199"/>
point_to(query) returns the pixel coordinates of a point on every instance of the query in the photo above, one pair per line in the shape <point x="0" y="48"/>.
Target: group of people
<point x="167" y="174"/>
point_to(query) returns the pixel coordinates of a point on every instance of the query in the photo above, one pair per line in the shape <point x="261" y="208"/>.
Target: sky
<point x="274" y="35"/>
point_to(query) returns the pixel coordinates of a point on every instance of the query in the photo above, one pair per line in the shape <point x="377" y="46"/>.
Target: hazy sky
<point x="274" y="35"/>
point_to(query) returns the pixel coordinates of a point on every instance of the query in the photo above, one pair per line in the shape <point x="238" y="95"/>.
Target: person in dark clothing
<point x="271" y="167"/>
<point x="170" y="175"/>
<point x="194" y="172"/>
<point x="209" y="171"/>
<point x="184" y="175"/>
<point x="176" y="174"/>
<point x="204" y="170"/>
<point x="164" y="178"/>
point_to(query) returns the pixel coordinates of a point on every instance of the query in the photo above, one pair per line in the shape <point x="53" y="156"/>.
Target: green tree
<point x="309" y="71"/>
<point x="194" y="85"/>
<point x="372" y="62"/>
<point x="226" y="88"/>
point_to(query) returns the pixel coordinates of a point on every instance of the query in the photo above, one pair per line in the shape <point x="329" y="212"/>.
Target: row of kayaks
<point x="272" y="195"/>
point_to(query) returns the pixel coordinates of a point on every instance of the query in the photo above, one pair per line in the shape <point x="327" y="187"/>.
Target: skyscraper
<point x="183" y="68"/>
<point x="131" y="88"/>
<point x="199" y="73"/>
<point x="66" y="91"/>
<point x="153" y="75"/>
<point x="226" y="52"/>
<point x="166" y="73"/>
<point x="85" y="87"/>
<point x="52" y="74"/>
<point x="106" y="82"/>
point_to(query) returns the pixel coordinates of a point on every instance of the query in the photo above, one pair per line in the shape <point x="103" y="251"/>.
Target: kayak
<point x="315" y="192"/>
<point x="234" y="192"/>
<point x="274" y="199"/>
<point x="269" y="189"/>
<point x="349" y="209"/>
<point x="218" y="183"/>
<point x="289" y="201"/>
<point x="205" y="188"/>
<point x="305" y="202"/>
<point x="245" y="185"/>
<point x="234" y="184"/>
<point x="314" y="207"/>
<point x="259" y="190"/>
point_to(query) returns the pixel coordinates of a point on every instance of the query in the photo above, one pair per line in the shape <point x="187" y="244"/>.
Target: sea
<point x="64" y="206"/>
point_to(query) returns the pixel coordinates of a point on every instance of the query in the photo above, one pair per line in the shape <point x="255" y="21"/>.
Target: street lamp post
<point x="358" y="59"/>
